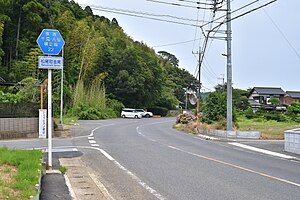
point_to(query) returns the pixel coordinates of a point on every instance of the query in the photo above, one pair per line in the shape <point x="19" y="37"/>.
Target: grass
<point x="19" y="172"/>
<point x="269" y="129"/>
<point x="62" y="169"/>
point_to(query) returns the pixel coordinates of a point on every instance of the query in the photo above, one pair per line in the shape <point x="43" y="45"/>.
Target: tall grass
<point x="90" y="102"/>
<point x="27" y="163"/>
<point x="93" y="96"/>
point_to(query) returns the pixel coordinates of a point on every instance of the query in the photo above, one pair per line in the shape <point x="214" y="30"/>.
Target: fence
<point x="19" y="110"/>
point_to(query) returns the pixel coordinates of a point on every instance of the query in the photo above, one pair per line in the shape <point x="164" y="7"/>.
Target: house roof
<point x="269" y="90"/>
<point x="293" y="94"/>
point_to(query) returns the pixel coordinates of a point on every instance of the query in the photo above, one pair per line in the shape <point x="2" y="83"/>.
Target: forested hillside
<point x="104" y="68"/>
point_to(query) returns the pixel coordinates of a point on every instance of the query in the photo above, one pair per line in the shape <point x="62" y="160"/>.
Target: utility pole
<point x="199" y="73"/>
<point x="229" y="69"/>
<point x="223" y="81"/>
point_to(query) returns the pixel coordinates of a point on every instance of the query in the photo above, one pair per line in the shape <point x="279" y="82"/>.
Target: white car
<point x="145" y="113"/>
<point x="131" y="113"/>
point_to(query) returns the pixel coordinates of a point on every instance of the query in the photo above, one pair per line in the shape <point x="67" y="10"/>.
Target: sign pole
<point x="61" y="90"/>
<point x="50" y="42"/>
<point x="49" y="119"/>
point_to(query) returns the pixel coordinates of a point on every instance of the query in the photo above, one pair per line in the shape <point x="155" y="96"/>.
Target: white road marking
<point x="106" y="155"/>
<point x="92" y="132"/>
<point x="134" y="177"/>
<point x="72" y="193"/>
<point x="206" y="137"/>
<point x="143" y="184"/>
<point x="237" y="167"/>
<point x="101" y="186"/>
<point x="262" y="150"/>
<point x="92" y="142"/>
<point x="91" y="138"/>
<point x="95" y="145"/>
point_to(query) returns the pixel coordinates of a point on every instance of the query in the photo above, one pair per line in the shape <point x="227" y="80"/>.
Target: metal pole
<point x="49" y="119"/>
<point x="186" y="99"/>
<point x="229" y="69"/>
<point x="199" y="89"/>
<point x="61" y="90"/>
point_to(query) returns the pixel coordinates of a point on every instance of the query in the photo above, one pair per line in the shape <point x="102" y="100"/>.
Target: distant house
<point x="290" y="97"/>
<point x="259" y="96"/>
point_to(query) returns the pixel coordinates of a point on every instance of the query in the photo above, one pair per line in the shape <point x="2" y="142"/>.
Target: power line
<point x="282" y="34"/>
<point x="143" y="13"/>
<point x="140" y="16"/>
<point x="177" y="4"/>
<point x="172" y="44"/>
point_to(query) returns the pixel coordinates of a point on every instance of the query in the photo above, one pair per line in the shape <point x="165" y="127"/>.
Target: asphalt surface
<point x="148" y="159"/>
<point x="53" y="184"/>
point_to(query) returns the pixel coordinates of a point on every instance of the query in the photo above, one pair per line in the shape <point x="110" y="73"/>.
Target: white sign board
<point x="50" y="62"/>
<point x="42" y="123"/>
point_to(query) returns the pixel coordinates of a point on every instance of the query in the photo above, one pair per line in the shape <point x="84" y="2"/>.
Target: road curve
<point x="152" y="159"/>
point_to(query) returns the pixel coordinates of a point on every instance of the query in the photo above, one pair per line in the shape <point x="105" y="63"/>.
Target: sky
<point x="265" y="42"/>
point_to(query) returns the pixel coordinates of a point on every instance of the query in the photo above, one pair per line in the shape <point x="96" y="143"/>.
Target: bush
<point x="115" y="105"/>
<point x="185" y="118"/>
<point x="159" y="111"/>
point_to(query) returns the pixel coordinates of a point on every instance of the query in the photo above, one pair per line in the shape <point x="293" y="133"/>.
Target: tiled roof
<point x="293" y="94"/>
<point x="269" y="90"/>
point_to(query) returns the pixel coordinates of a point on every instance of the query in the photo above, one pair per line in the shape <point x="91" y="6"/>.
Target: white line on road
<point x="95" y="145"/>
<point x="143" y="184"/>
<point x="237" y="166"/>
<point x="91" y="138"/>
<point x="134" y="177"/>
<point x="262" y="150"/>
<point x="92" y="142"/>
<point x="92" y="132"/>
<point x="106" y="155"/>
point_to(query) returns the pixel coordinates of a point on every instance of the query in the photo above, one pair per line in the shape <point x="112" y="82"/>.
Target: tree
<point x="169" y="58"/>
<point x="274" y="101"/>
<point x="215" y="107"/>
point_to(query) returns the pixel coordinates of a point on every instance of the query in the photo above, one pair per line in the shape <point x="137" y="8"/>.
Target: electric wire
<point x="282" y="34"/>
<point x="176" y="43"/>
<point x="140" y="16"/>
<point x="143" y="13"/>
<point x="177" y="4"/>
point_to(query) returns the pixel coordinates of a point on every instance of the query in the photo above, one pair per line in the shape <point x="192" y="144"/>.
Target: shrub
<point x="185" y="118"/>
<point x="159" y="111"/>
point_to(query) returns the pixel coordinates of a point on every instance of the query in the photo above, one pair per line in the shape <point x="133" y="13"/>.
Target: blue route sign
<point x="50" y="41"/>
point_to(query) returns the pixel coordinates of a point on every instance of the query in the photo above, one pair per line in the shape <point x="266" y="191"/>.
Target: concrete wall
<point x="292" y="141"/>
<point x="232" y="134"/>
<point x="18" y="127"/>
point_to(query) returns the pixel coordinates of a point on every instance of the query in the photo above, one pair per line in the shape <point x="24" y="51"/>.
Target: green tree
<point x="215" y="107"/>
<point x="274" y="101"/>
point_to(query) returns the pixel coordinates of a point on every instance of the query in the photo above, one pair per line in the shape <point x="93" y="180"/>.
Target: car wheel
<point x="136" y="117"/>
<point x="123" y="116"/>
<point x="147" y="116"/>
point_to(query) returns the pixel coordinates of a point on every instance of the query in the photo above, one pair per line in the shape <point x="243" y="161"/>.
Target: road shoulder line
<point x="261" y="150"/>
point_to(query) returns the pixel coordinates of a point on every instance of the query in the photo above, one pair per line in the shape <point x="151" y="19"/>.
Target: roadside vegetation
<point x="19" y="172"/>
<point x="271" y="123"/>
<point x="104" y="68"/>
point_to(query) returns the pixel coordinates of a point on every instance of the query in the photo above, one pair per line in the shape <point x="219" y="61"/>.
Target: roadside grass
<point x="19" y="173"/>
<point x="269" y="129"/>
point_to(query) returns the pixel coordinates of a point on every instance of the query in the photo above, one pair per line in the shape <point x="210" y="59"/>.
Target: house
<point x="290" y="97"/>
<point x="259" y="96"/>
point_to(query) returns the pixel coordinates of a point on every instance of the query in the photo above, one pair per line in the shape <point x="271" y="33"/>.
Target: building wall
<point x="288" y="100"/>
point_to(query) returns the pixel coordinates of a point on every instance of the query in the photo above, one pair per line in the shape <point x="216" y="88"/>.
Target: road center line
<point x="236" y="166"/>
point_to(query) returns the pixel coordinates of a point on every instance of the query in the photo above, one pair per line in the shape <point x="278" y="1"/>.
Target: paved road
<point x="147" y="159"/>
